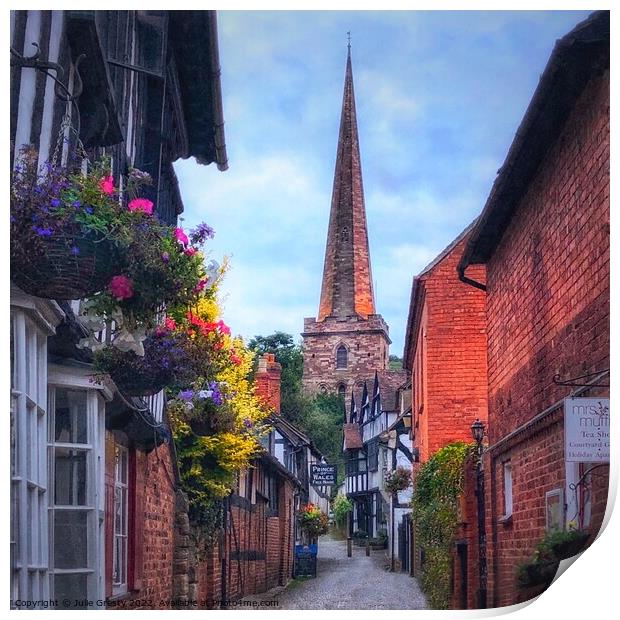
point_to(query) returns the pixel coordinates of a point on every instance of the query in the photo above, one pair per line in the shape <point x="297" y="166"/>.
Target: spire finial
<point x="349" y="40"/>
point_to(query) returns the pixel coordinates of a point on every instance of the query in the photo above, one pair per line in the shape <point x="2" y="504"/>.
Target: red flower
<point x="106" y="185"/>
<point x="170" y="323"/>
<point x="235" y="359"/>
<point x="141" y="204"/>
<point x="190" y="251"/>
<point x="121" y="287"/>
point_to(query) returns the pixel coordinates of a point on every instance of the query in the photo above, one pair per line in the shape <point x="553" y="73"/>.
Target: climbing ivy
<point x="437" y="487"/>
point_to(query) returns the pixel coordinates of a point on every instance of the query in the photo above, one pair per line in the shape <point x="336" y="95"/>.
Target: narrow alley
<point x="358" y="582"/>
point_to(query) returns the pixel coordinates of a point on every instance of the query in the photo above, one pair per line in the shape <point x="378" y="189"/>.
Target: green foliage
<point x="396" y="363"/>
<point x="341" y="507"/>
<point x="437" y="487"/>
<point x="321" y="417"/>
<point x="289" y="356"/>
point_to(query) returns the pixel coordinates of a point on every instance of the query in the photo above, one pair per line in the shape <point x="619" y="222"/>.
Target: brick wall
<point x="151" y="496"/>
<point x="256" y="545"/>
<point x="548" y="314"/>
<point x="267" y="380"/>
<point x="449" y="354"/>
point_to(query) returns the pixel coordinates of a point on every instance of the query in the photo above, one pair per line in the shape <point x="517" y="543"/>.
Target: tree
<point x="396" y="363"/>
<point x="321" y="416"/>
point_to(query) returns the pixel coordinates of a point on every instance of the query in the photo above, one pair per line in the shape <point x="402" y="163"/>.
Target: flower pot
<point x="211" y="419"/>
<point x="68" y="264"/>
<point x="538" y="573"/>
<point x="569" y="548"/>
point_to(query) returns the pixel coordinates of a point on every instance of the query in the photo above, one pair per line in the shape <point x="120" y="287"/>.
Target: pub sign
<point x="322" y="474"/>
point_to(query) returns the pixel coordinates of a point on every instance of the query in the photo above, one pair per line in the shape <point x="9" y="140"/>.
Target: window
<point x="373" y="455"/>
<point x="341" y="357"/>
<point x="121" y="516"/>
<point x="344" y="234"/>
<point x="272" y="493"/>
<point x="29" y="484"/>
<point x="341" y="390"/>
<point x="75" y="529"/>
<point x="507" y="489"/>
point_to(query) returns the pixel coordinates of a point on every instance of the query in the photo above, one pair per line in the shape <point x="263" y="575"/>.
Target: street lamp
<point x="477" y="431"/>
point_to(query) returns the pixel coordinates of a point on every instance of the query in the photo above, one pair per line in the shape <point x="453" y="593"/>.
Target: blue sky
<point x="439" y="97"/>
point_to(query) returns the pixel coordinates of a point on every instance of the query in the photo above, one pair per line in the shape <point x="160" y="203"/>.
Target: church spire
<point x="347" y="278"/>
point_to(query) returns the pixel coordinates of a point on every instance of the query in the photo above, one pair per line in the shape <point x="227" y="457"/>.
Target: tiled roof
<point x="352" y="437"/>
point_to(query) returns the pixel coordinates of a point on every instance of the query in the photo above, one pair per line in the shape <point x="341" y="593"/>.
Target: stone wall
<point x="367" y="343"/>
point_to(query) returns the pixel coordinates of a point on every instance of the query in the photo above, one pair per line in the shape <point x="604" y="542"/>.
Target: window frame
<point x="507" y="485"/>
<point x="339" y="358"/>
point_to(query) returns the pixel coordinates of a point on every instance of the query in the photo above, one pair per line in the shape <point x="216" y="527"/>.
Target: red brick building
<point x="256" y="543"/>
<point x="348" y="340"/>
<point x="446" y="356"/>
<point x="445" y="352"/>
<point x="544" y="238"/>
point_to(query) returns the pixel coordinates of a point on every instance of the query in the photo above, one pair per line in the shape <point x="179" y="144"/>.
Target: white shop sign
<point x="586" y="430"/>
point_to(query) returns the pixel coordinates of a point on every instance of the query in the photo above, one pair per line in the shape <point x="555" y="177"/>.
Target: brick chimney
<point x="267" y="380"/>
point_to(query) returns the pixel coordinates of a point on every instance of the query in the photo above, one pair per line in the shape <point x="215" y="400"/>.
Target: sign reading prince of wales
<point x="321" y="473"/>
<point x="586" y="430"/>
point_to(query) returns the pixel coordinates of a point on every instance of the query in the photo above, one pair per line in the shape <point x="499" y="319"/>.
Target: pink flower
<point x="201" y="285"/>
<point x="170" y="323"/>
<point x="224" y="329"/>
<point x="141" y="204"/>
<point x="190" y="251"/>
<point x="106" y="185"/>
<point x="121" y="287"/>
<point x="180" y="236"/>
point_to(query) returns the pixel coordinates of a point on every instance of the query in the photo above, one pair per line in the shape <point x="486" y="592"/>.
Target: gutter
<point x="463" y="278"/>
<point x="221" y="157"/>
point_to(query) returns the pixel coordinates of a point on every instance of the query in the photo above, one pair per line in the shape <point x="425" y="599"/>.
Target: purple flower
<point x="55" y="203"/>
<point x="165" y="257"/>
<point x="75" y="250"/>
<point x="88" y="210"/>
<point x="186" y="395"/>
<point x="248" y="423"/>
<point x="42" y="232"/>
<point x="201" y="233"/>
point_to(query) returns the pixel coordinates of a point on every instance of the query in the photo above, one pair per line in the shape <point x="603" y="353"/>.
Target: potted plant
<point x="313" y="521"/>
<point x="205" y="411"/>
<point x="167" y="361"/>
<point x="563" y="544"/>
<point x="397" y="480"/>
<point x="65" y="228"/>
<point x="162" y="268"/>
<point x="359" y="538"/>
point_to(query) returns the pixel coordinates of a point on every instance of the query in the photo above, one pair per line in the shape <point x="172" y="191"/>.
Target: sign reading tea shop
<point x="586" y="430"/>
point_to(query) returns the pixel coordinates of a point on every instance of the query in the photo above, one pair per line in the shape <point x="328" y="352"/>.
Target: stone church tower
<point x="348" y="341"/>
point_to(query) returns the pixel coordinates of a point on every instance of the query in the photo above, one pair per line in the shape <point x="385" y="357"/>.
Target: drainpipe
<point x="392" y="537"/>
<point x="463" y="278"/>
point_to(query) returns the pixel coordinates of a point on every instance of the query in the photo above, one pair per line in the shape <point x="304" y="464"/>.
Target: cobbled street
<point x="358" y="582"/>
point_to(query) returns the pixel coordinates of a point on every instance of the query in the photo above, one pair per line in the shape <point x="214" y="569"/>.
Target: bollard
<point x="349" y="542"/>
<point x="367" y="547"/>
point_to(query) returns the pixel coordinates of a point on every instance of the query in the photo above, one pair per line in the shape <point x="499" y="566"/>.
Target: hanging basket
<point x="68" y="264"/>
<point x="211" y="419"/>
<point x="140" y="384"/>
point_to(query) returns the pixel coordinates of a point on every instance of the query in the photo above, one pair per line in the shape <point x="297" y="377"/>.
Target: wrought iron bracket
<point x="573" y="486"/>
<point x="575" y="381"/>
<point x="61" y="90"/>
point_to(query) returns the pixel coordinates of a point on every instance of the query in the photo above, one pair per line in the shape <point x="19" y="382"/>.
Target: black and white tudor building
<point x="142" y="87"/>
<point x="375" y="442"/>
